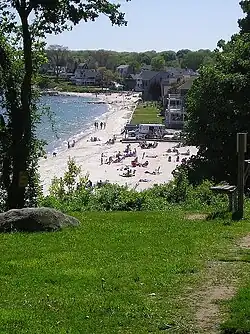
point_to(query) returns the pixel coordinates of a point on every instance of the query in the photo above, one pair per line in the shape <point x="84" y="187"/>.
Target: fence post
<point x="241" y="149"/>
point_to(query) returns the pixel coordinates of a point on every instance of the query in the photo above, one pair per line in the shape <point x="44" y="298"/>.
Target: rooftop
<point x="187" y="84"/>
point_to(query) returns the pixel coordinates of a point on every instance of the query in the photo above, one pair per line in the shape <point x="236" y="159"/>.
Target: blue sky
<point x="158" y="25"/>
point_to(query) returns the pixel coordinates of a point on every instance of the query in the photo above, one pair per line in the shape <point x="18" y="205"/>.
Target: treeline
<point x="60" y="56"/>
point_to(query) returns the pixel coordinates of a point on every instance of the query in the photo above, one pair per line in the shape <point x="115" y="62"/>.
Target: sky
<point x="158" y="25"/>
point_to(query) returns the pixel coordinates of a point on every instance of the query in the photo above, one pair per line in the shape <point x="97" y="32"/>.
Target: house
<point x="175" y="105"/>
<point x="174" y="112"/>
<point x="146" y="79"/>
<point x="124" y="70"/>
<point x="130" y="82"/>
<point x="85" y="76"/>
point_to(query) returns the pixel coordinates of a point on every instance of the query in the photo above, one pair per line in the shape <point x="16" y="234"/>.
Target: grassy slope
<point x="117" y="273"/>
<point x="146" y="114"/>
<point x="239" y="306"/>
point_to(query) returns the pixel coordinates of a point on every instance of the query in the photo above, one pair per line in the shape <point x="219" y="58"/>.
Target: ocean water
<point x="71" y="119"/>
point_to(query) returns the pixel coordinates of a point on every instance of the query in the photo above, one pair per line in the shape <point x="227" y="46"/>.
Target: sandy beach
<point x="88" y="154"/>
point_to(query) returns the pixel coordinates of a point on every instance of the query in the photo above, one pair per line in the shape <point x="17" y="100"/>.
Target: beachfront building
<point x="178" y="77"/>
<point x="146" y="79"/>
<point x="175" y="112"/>
<point x="124" y="70"/>
<point x="85" y="76"/>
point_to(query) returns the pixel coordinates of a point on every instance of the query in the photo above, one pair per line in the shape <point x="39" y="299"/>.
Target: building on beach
<point x="85" y="76"/>
<point x="146" y="79"/>
<point x="124" y="70"/>
<point x="174" y="105"/>
<point x="175" y="112"/>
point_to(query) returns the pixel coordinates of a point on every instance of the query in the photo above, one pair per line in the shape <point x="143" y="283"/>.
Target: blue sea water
<point x="72" y="118"/>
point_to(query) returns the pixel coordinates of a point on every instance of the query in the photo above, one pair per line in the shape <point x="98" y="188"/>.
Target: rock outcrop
<point x="35" y="220"/>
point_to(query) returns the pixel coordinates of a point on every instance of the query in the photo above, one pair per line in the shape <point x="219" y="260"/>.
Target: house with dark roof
<point x="85" y="76"/>
<point x="124" y="70"/>
<point x="146" y="79"/>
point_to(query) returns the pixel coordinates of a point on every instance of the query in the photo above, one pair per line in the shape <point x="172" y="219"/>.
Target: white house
<point x="175" y="112"/>
<point x="85" y="76"/>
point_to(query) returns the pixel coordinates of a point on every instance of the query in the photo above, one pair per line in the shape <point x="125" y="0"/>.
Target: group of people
<point x="177" y="155"/>
<point x="102" y="125"/>
<point x="111" y="140"/>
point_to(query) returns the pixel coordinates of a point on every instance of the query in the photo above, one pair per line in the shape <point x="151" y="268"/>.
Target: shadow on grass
<point x="225" y="214"/>
<point x="221" y="214"/>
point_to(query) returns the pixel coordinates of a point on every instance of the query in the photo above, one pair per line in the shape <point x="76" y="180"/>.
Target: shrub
<point x="73" y="192"/>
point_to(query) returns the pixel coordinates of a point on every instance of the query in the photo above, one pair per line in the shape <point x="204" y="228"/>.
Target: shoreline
<point x="89" y="154"/>
<point x="119" y="109"/>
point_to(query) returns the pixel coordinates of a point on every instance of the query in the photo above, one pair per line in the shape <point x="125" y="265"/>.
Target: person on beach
<point x="68" y="144"/>
<point x="104" y="125"/>
<point x="96" y="125"/>
<point x="73" y="144"/>
<point x="102" y="159"/>
<point x="101" y="124"/>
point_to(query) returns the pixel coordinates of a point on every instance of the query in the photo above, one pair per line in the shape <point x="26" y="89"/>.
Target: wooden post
<point x="241" y="149"/>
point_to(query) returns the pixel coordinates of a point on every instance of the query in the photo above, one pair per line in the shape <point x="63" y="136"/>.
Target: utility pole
<point x="241" y="149"/>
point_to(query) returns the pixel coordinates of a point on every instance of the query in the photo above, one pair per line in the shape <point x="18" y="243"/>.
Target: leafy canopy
<point x="54" y="16"/>
<point x="218" y="106"/>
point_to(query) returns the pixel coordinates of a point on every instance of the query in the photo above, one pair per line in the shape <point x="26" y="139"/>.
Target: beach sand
<point x="87" y="154"/>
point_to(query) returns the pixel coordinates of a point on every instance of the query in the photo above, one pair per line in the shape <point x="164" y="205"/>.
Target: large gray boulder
<point x="35" y="220"/>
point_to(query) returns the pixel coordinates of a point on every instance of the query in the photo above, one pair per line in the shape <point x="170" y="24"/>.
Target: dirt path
<point x="220" y="285"/>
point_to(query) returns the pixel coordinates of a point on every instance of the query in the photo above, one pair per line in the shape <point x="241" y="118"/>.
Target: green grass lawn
<point x="121" y="272"/>
<point x="146" y="113"/>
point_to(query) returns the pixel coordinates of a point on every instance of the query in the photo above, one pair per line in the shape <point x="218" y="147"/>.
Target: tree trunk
<point x="22" y="123"/>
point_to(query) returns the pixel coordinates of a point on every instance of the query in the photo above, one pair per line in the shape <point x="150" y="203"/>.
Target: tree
<point x="58" y="56"/>
<point x="218" y="106"/>
<point x="37" y="17"/>
<point x="168" y="55"/>
<point x="107" y="76"/>
<point x="195" y="59"/>
<point x="181" y="53"/>
<point x="157" y="63"/>
<point x="135" y="65"/>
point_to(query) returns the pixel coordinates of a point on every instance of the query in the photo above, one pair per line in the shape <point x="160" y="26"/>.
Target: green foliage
<point x="218" y="106"/>
<point x="110" y="60"/>
<point x="118" y="272"/>
<point x="73" y="192"/>
<point x="158" y="63"/>
<point x="147" y="112"/>
<point x="238" y="323"/>
<point x="21" y="55"/>
<point x="195" y="59"/>
<point x="69" y="183"/>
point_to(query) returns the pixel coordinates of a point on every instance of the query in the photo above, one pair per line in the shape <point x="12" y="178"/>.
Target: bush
<point x="74" y="192"/>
